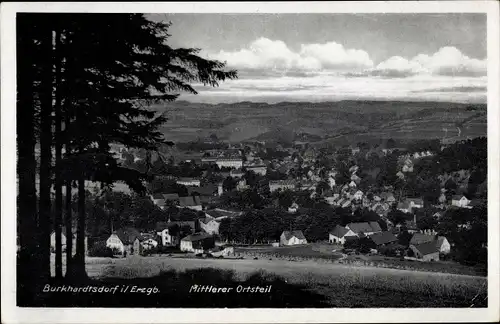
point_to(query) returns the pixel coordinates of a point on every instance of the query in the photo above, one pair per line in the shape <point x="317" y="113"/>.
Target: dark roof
<point x="383" y="238"/>
<point x="339" y="231"/>
<point x="457" y="197"/>
<point x="297" y="234"/>
<point x="375" y="226"/>
<point x="128" y="235"/>
<point x="420" y="238"/>
<point x="364" y="227"/>
<point x="417" y="201"/>
<point x="171" y="196"/>
<point x="189" y="201"/>
<point x="197" y="237"/>
<point x="427" y="248"/>
<point x="157" y="196"/>
<point x="207" y="190"/>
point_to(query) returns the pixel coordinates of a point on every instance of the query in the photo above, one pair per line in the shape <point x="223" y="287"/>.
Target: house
<point x="242" y="185"/>
<point x="208" y="190"/>
<point x="293" y="208"/>
<point x="377" y="198"/>
<point x="388" y="197"/>
<point x="331" y="199"/>
<point x="197" y="243"/>
<point x="440" y="242"/>
<point x="346" y="203"/>
<point x="404" y="207"/>
<point x="352" y="184"/>
<point x="460" y="201"/>
<point x="236" y="163"/>
<point x="258" y="169"/>
<point x="358" y="195"/>
<point x="292" y="238"/>
<point x="236" y="174"/>
<point x="167" y="238"/>
<point x="282" y="185"/>
<point x="189" y="182"/>
<point x="126" y="240"/>
<point x="383" y="238"/>
<point x="148" y="242"/>
<point x="209" y="225"/>
<point x="172" y="198"/>
<point x="339" y="234"/>
<point x="219" y="214"/>
<point x="355" y="178"/>
<point x="425" y="251"/>
<point x="365" y="228"/>
<point x="157" y="198"/>
<point x="191" y="202"/>
<point x="400" y="175"/>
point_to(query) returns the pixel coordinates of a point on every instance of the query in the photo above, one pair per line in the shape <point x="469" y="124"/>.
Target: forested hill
<point x="323" y="122"/>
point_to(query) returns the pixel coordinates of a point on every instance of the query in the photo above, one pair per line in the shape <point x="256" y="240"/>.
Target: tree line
<point x="85" y="81"/>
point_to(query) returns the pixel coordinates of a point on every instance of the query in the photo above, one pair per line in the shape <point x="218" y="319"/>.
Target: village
<point x="201" y="215"/>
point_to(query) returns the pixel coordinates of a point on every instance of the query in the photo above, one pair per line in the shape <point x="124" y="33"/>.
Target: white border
<point x="12" y="314"/>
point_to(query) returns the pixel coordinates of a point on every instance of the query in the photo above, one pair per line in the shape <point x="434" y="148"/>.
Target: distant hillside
<point x="333" y="122"/>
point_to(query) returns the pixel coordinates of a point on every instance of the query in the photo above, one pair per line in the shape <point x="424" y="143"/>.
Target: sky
<point x="330" y="57"/>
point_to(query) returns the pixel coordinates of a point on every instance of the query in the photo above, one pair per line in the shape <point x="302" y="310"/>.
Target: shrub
<point x="99" y="249"/>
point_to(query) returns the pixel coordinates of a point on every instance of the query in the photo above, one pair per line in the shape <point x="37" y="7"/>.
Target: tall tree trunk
<point x="45" y="149"/>
<point x="68" y="222"/>
<point x="78" y="266"/>
<point x="58" y="147"/>
<point x="28" y="261"/>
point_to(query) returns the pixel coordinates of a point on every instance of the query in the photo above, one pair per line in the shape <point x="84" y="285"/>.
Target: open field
<point x="307" y="283"/>
<point x="361" y="120"/>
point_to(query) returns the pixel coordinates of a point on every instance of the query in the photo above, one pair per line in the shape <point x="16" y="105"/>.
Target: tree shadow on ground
<point x="173" y="291"/>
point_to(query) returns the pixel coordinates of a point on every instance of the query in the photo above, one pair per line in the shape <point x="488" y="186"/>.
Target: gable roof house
<point x="365" y="228"/>
<point x="171" y="197"/>
<point x="383" y="238"/>
<point x="425" y="251"/>
<point x="197" y="243"/>
<point x="191" y="202"/>
<point x="209" y="225"/>
<point x="460" y="201"/>
<point x="126" y="240"/>
<point x="339" y="234"/>
<point x="440" y="242"/>
<point x="292" y="238"/>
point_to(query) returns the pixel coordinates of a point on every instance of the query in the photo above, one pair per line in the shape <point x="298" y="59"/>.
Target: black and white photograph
<point x="227" y="160"/>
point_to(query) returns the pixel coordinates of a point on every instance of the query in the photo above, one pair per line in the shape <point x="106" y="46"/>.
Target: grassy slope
<point x="295" y="284"/>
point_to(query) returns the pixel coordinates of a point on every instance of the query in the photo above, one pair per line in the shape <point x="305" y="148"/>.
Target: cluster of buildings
<point x="423" y="246"/>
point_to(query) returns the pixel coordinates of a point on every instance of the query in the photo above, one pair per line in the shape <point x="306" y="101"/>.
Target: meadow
<point x="294" y="284"/>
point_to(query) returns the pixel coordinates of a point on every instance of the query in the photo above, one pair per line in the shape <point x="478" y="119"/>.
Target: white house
<point x="352" y="184"/>
<point x="189" y="182"/>
<point x="149" y="243"/>
<point x="331" y="182"/>
<point x="293" y="208"/>
<point x="339" y="234"/>
<point x="166" y="237"/>
<point x="331" y="200"/>
<point x="209" y="225"/>
<point x="292" y="238"/>
<point x="366" y="228"/>
<point x="282" y="184"/>
<point x="460" y="201"/>
<point x="358" y="195"/>
<point x="236" y="163"/>
<point x="258" y="169"/>
<point x="126" y="240"/>
<point x="197" y="243"/>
